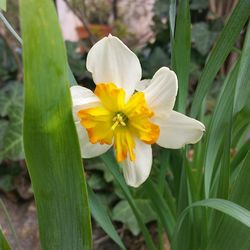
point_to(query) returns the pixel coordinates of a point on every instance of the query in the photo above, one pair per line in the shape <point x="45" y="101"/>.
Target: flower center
<point x="119" y="122"/>
<point x="119" y="119"/>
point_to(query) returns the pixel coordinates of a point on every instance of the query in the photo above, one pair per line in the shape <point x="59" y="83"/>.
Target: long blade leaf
<point x="100" y="215"/>
<point x="243" y="81"/>
<point x="50" y="139"/>
<point x="232" y="209"/>
<point x="182" y="46"/>
<point x="220" y="119"/>
<point x="231" y="234"/>
<point x="220" y="52"/>
<point x="172" y="14"/>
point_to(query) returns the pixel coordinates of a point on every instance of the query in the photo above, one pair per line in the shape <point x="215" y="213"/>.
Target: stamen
<point x="119" y="119"/>
<point x="115" y="125"/>
<point x="123" y="123"/>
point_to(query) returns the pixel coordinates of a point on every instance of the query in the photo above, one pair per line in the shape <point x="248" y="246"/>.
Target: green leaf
<point x="182" y="46"/>
<point x="220" y="52"/>
<point x="100" y="215"/>
<point x="172" y="15"/>
<point x="122" y="212"/>
<point x="232" y="234"/>
<point x="113" y="167"/>
<point x="161" y="207"/>
<point x="224" y="171"/>
<point x="11" y="112"/>
<point x="50" y="140"/>
<point x="4" y="245"/>
<point x="227" y="207"/>
<point x="3" y="5"/>
<point x="221" y="118"/>
<point x="243" y="81"/>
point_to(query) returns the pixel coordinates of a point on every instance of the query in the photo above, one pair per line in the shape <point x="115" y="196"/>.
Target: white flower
<point x="131" y="121"/>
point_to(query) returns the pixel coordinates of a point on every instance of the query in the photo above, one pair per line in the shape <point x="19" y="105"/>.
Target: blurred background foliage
<point x="153" y="48"/>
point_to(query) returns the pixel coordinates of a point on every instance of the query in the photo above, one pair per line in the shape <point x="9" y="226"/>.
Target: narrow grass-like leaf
<point x="227" y="207"/>
<point x="113" y="167"/>
<point x="184" y="190"/>
<point x="163" y="186"/>
<point x="223" y="169"/>
<point x="172" y="15"/>
<point x="183" y="201"/>
<point x="182" y="46"/>
<point x="176" y="165"/>
<point x="220" y="52"/>
<point x="164" y="164"/>
<point x="4" y="245"/>
<point x="220" y="119"/>
<point x="231" y="234"/>
<point x="50" y="139"/>
<point x="160" y="240"/>
<point x="223" y="185"/>
<point x="161" y="207"/>
<point x="100" y="215"/>
<point x="243" y="81"/>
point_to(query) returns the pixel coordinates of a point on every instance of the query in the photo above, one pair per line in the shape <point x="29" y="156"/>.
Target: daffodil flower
<point x="128" y="113"/>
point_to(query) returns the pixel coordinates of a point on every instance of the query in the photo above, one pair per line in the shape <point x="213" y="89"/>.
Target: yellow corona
<point x="118" y="121"/>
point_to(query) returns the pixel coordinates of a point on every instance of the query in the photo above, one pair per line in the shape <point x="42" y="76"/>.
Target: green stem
<point x="113" y="167"/>
<point x="160" y="235"/>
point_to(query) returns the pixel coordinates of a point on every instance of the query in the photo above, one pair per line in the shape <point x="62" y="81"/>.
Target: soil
<point x="23" y="218"/>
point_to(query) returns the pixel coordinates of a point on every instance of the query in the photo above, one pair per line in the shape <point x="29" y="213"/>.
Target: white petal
<point x="89" y="150"/>
<point x="136" y="172"/>
<point x="110" y="60"/>
<point x="162" y="91"/>
<point x="143" y="84"/>
<point x="178" y="130"/>
<point x="82" y="98"/>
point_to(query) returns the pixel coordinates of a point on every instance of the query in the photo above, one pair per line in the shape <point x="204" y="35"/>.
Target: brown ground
<point x="24" y="221"/>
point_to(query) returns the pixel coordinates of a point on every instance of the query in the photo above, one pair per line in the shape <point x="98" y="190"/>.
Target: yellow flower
<point x="131" y="121"/>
